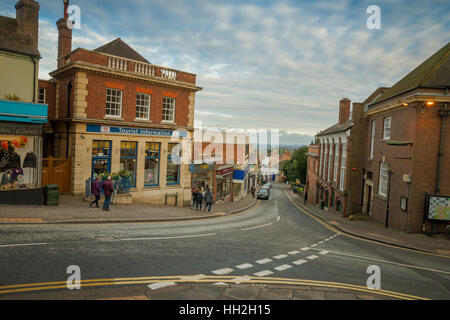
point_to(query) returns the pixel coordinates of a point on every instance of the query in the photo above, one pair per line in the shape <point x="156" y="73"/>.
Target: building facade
<point x="407" y="153"/>
<point x="114" y="111"/>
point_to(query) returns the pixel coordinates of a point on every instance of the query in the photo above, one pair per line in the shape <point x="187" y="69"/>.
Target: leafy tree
<point x="296" y="167"/>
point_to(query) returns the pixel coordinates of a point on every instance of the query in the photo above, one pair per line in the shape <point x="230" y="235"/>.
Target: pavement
<point x="72" y="210"/>
<point x="371" y="230"/>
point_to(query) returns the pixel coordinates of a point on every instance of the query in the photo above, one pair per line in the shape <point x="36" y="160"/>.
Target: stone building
<point x="114" y="111"/>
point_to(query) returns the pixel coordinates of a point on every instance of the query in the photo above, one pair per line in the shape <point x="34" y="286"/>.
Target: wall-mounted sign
<point x="438" y="208"/>
<point x="135" y="131"/>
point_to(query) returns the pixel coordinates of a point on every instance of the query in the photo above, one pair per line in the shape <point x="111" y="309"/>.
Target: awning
<point x="18" y="111"/>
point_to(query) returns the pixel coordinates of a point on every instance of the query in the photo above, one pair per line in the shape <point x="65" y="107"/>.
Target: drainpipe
<point x="443" y="113"/>
<point x="34" y="78"/>
<point x="69" y="89"/>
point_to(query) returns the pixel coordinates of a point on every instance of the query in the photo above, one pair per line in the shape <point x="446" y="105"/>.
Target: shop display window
<point x="152" y="156"/>
<point x="173" y="166"/>
<point x="128" y="159"/>
<point x="20" y="162"/>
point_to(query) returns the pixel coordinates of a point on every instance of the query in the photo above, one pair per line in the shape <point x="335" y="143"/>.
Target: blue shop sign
<point x="18" y="111"/>
<point x="135" y="131"/>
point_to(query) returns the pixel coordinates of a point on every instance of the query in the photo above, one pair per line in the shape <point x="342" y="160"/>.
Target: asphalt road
<point x="274" y="239"/>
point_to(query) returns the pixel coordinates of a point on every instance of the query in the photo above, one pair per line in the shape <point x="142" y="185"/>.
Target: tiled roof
<point x="121" y="49"/>
<point x="336" y="128"/>
<point x="12" y="38"/>
<point x="433" y="72"/>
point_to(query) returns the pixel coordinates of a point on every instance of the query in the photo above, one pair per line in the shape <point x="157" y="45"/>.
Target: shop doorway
<point x="57" y="171"/>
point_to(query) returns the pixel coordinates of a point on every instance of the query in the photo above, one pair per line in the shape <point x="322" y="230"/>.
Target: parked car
<point x="263" y="193"/>
<point x="267" y="185"/>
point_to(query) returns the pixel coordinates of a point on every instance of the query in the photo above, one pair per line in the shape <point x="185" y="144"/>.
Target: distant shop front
<point x="224" y="183"/>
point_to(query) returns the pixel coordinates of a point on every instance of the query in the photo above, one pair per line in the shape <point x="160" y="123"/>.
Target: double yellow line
<point x="205" y="279"/>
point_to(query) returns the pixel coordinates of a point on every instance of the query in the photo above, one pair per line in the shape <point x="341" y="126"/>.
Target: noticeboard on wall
<point x="438" y="208"/>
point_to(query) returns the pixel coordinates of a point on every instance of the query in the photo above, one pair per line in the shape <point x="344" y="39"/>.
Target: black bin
<point x="51" y="195"/>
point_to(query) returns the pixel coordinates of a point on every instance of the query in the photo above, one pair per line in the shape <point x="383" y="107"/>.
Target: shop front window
<point x="152" y="154"/>
<point x="101" y="157"/>
<point x="128" y="159"/>
<point x="19" y="162"/>
<point x="173" y="163"/>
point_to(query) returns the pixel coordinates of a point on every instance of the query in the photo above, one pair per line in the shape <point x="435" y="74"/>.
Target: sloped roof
<point x="12" y="38"/>
<point x="119" y="48"/>
<point x="336" y="128"/>
<point x="433" y="72"/>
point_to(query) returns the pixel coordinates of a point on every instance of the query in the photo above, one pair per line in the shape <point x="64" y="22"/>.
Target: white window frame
<point x="39" y="95"/>
<point x="330" y="162"/>
<point x="110" y="94"/>
<point x="383" y="179"/>
<point x="372" y="139"/>
<point x="171" y="110"/>
<point x="387" y="128"/>
<point x="336" y="161"/>
<point x="141" y="105"/>
<point x="343" y="166"/>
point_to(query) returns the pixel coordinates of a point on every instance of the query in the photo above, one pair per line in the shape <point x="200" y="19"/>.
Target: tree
<point x="296" y="167"/>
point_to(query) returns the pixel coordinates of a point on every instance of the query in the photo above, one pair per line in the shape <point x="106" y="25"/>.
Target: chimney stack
<point x="344" y="110"/>
<point x="64" y="37"/>
<point x="27" y="16"/>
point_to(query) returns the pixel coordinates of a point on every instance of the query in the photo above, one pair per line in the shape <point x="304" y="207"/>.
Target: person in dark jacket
<point x="199" y="199"/>
<point x="208" y="199"/>
<point x="95" y="189"/>
<point x="108" y="189"/>
<point x="194" y="197"/>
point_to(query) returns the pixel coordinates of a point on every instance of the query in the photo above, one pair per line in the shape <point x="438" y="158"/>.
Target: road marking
<point x="305" y="249"/>
<point x="23" y="244"/>
<point x="244" y="266"/>
<point x="313" y="245"/>
<point x="298" y="262"/>
<point x="220" y="284"/>
<point x="293" y="252"/>
<point x="241" y="279"/>
<point x="390" y="262"/>
<point x="323" y="252"/>
<point x="263" y="273"/>
<point x="281" y="256"/>
<point x="222" y="271"/>
<point x="283" y="267"/>
<point x="312" y="257"/>
<point x="320" y="242"/>
<point x="165" y="238"/>
<point x="158" y="285"/>
<point x="194" y="277"/>
<point x="262" y="261"/>
<point x="264" y="225"/>
<point x="278" y="218"/>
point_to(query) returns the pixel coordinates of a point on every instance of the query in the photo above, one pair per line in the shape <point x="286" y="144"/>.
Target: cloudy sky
<point x="263" y="64"/>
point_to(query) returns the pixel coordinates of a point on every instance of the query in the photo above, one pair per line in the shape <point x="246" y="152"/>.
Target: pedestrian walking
<point x="95" y="189"/>
<point x="306" y="198"/>
<point x="199" y="199"/>
<point x="253" y="191"/>
<point x="208" y="199"/>
<point x="108" y="189"/>
<point x="194" y="197"/>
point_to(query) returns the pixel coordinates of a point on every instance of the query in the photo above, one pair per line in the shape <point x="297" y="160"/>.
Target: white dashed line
<point x="312" y="257"/>
<point x="241" y="279"/>
<point x="281" y="256"/>
<point x="244" y="266"/>
<point x="222" y="271"/>
<point x="313" y="245"/>
<point x="298" y="262"/>
<point x="293" y="252"/>
<point x="158" y="285"/>
<point x="305" y="249"/>
<point x="323" y="252"/>
<point x="262" y="261"/>
<point x="263" y="273"/>
<point x="320" y="242"/>
<point x="283" y="267"/>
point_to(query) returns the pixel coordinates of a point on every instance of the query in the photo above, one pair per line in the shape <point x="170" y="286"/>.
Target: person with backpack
<point x="208" y="199"/>
<point x="199" y="199"/>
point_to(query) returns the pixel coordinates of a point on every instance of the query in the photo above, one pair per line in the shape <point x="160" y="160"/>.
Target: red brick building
<point x="110" y="109"/>
<point x="406" y="152"/>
